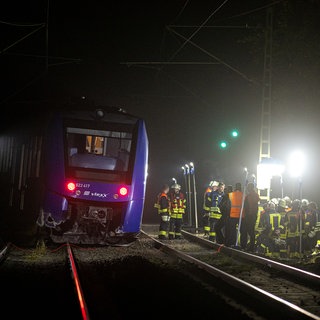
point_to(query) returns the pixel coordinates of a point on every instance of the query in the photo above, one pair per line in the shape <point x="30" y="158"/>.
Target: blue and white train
<point x="74" y="176"/>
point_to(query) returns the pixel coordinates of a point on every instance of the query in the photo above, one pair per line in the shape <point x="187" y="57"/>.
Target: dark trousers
<point x="164" y="225"/>
<point x="247" y="228"/>
<point x="219" y="228"/>
<point x="205" y="222"/>
<point x="231" y="238"/>
<point x="175" y="228"/>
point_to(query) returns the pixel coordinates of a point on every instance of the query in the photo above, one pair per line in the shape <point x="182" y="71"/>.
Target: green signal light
<point x="223" y="144"/>
<point x="234" y="133"/>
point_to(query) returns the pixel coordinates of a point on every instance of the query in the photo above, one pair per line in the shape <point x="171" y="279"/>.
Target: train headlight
<point x="123" y="191"/>
<point x="71" y="186"/>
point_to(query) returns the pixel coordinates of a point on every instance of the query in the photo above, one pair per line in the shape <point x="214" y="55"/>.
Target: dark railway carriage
<point x="80" y="176"/>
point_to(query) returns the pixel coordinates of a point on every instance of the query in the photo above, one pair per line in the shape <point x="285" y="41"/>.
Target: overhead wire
<point x="165" y="31"/>
<point x="21" y="39"/>
<point x="181" y="11"/>
<point x="20" y="24"/>
<point x="188" y="40"/>
<point x="253" y="10"/>
<point x="218" y="59"/>
<point x="197" y="30"/>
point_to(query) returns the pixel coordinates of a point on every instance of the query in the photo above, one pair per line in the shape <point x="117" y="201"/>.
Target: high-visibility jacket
<point x="162" y="203"/>
<point x="236" y="203"/>
<point x="292" y="224"/>
<point x="178" y="204"/>
<point x="215" y="212"/>
<point x="274" y="221"/>
<point x="207" y="199"/>
<point x="215" y="198"/>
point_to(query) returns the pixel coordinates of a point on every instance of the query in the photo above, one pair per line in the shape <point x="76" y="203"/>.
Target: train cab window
<point x="98" y="149"/>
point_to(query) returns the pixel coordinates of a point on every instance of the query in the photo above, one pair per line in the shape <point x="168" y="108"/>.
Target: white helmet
<point x="275" y="201"/>
<point x="283" y="203"/>
<point x="288" y="201"/>
<point x="304" y="202"/>
<point x="311" y="234"/>
<point x="213" y="183"/>
<point x="271" y="205"/>
<point x="176" y="186"/>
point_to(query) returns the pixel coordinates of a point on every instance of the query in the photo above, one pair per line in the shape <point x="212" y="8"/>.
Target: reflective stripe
<point x="215" y="215"/>
<point x="165" y="218"/>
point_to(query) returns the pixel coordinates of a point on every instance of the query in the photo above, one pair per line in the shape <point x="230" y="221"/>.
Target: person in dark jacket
<point x="249" y="218"/>
<point x="215" y="213"/>
<point x="225" y="206"/>
<point x="207" y="201"/>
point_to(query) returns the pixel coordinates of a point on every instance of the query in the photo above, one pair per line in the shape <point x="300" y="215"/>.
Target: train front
<point x="96" y="171"/>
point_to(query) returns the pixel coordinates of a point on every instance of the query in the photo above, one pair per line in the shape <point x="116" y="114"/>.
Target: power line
<point x="197" y="30"/>
<point x="216" y="58"/>
<point x="21" y="39"/>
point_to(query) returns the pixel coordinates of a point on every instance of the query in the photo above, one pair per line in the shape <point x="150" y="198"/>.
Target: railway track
<point x="198" y="273"/>
<point x="4" y="251"/>
<point x="77" y="284"/>
<point x="35" y="283"/>
<point x="277" y="288"/>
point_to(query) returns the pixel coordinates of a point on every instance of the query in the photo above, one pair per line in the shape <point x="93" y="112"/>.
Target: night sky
<point x="135" y="54"/>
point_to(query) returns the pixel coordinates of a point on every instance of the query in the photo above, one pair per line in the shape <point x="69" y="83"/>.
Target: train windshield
<point x="98" y="149"/>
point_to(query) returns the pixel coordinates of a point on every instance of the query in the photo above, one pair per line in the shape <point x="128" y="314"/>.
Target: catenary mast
<point x="265" y="153"/>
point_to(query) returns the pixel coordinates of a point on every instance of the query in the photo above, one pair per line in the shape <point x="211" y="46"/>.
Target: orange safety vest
<point x="236" y="203"/>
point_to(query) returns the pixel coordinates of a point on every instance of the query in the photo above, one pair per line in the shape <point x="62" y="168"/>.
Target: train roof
<point x="17" y="119"/>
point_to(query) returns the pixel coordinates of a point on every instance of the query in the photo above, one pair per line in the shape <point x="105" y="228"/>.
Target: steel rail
<point x="4" y="251"/>
<point x="308" y="276"/>
<point x="267" y="298"/>
<point x="75" y="276"/>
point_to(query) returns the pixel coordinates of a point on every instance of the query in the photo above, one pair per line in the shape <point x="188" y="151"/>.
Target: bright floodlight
<point x="266" y="170"/>
<point x="297" y="163"/>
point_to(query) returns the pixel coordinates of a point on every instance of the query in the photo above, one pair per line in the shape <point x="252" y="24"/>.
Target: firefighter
<point x="288" y="203"/>
<point x="310" y="227"/>
<point x="177" y="210"/>
<point x="274" y="229"/>
<point x="213" y="186"/>
<point x="225" y="206"/>
<point x="163" y="206"/>
<point x="282" y="209"/>
<point x="269" y="241"/>
<point x="292" y="221"/>
<point x="215" y="213"/>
